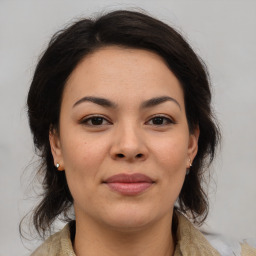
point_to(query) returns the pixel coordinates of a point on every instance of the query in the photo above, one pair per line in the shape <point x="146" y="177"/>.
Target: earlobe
<point x="56" y="149"/>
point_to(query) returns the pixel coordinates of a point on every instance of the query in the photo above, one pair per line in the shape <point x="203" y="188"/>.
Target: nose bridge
<point x="128" y="135"/>
<point x="128" y="141"/>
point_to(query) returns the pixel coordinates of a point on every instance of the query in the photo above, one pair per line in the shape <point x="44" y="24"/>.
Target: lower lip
<point x="130" y="189"/>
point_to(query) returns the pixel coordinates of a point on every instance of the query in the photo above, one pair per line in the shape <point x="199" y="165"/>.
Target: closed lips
<point x="129" y="185"/>
<point x="129" y="178"/>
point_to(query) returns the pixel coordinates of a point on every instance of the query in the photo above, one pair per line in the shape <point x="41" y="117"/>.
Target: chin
<point x="128" y="219"/>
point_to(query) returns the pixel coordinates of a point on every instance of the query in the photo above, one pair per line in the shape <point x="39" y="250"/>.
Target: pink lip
<point x="129" y="184"/>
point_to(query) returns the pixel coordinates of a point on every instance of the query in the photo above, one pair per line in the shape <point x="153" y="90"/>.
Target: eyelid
<point x="89" y="117"/>
<point x="85" y="119"/>
<point x="167" y="117"/>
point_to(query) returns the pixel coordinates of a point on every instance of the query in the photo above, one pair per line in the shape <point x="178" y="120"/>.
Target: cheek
<point x="171" y="153"/>
<point x="171" y="158"/>
<point x="83" y="155"/>
<point x="82" y="160"/>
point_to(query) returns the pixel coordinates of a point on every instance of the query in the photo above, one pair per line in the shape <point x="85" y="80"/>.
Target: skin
<point x="127" y="140"/>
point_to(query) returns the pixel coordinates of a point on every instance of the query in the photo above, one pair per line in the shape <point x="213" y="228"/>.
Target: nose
<point x="129" y="145"/>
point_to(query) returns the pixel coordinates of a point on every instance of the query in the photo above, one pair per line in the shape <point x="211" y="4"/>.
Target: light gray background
<point x="223" y="33"/>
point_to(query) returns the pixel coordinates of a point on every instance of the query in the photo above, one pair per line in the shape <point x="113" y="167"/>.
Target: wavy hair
<point x="128" y="29"/>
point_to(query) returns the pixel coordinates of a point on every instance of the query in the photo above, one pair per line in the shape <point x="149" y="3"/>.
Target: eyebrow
<point x="97" y="100"/>
<point x="109" y="104"/>
<point x="158" y="100"/>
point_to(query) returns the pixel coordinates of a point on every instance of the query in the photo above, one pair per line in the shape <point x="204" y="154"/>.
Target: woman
<point x="120" y="111"/>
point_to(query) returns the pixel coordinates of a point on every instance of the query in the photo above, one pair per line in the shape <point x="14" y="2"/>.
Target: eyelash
<point x="85" y="121"/>
<point x="168" y="120"/>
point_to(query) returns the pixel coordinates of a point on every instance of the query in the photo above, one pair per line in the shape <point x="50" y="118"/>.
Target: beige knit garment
<point x="248" y="250"/>
<point x="191" y="242"/>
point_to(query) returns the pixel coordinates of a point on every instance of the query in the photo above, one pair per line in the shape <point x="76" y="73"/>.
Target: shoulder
<point x="228" y="246"/>
<point x="50" y="247"/>
<point x="202" y="243"/>
<point x="249" y="247"/>
<point x="56" y="245"/>
<point x="190" y="241"/>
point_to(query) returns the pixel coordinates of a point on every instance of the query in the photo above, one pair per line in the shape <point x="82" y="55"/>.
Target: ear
<point x="56" y="149"/>
<point x="193" y="146"/>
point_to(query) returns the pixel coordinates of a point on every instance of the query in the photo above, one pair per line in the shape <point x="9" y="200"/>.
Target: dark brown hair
<point x="127" y="29"/>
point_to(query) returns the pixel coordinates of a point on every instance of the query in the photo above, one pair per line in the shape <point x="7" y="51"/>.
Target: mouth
<point x="129" y="184"/>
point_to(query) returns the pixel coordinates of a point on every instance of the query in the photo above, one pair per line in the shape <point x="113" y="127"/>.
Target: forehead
<point x="117" y="72"/>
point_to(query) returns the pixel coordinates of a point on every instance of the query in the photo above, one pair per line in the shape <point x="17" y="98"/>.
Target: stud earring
<point x="57" y="165"/>
<point x="188" y="169"/>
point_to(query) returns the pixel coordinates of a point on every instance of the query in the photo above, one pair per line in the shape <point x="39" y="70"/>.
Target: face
<point x="123" y="113"/>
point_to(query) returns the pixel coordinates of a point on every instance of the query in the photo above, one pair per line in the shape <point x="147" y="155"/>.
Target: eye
<point x="95" y="121"/>
<point x="160" y="121"/>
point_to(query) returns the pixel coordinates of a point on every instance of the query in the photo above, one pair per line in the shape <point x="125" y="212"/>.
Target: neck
<point x="96" y="239"/>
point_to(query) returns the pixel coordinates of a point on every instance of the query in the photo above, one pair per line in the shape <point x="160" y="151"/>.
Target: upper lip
<point x="129" y="178"/>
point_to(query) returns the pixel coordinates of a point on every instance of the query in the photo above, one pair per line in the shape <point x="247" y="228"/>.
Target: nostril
<point x="120" y="155"/>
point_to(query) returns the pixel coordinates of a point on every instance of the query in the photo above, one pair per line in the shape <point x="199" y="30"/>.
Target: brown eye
<point x="95" y="121"/>
<point x="160" y="120"/>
